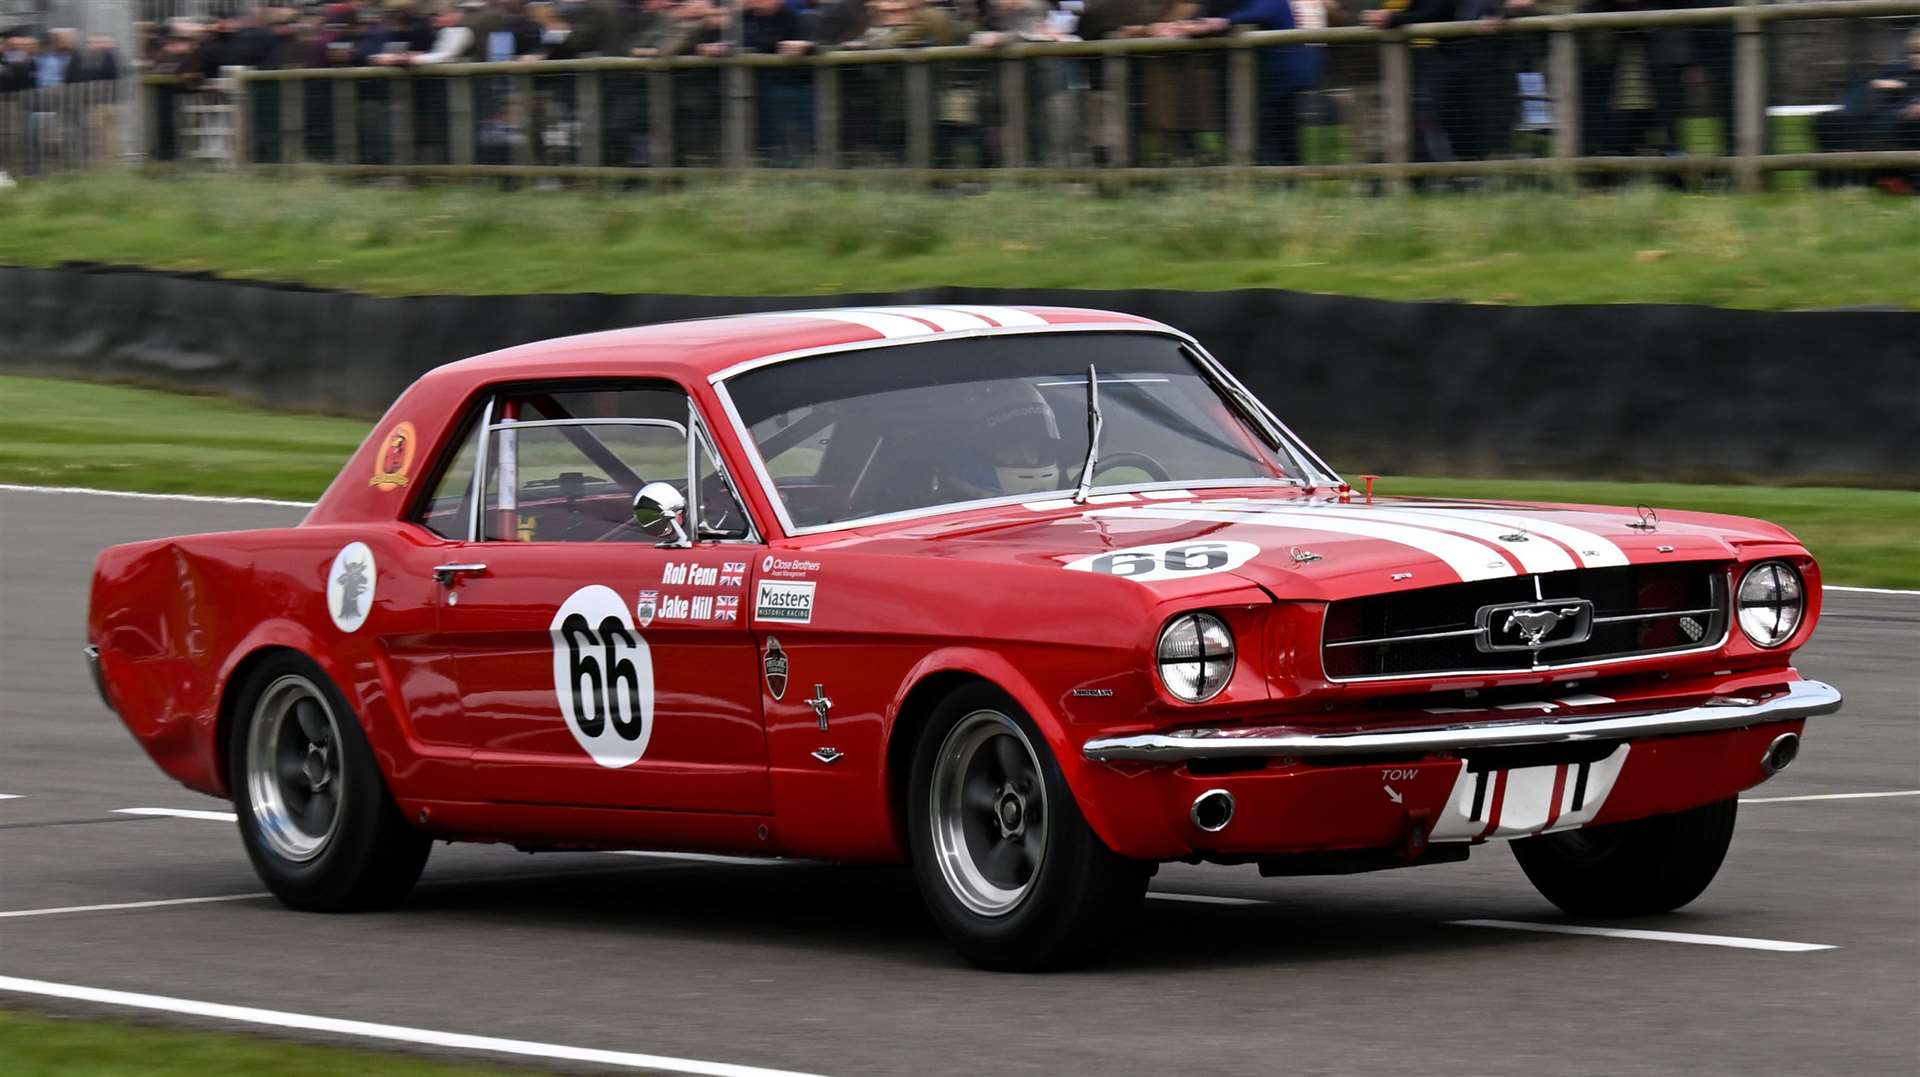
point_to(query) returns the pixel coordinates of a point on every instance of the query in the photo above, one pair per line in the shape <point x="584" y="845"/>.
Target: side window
<point x="575" y="482"/>
<point x="564" y="464"/>
<point x="445" y="513"/>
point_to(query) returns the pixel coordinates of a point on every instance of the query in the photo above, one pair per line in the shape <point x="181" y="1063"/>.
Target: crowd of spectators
<point x="29" y="61"/>
<point x="1642" y="91"/>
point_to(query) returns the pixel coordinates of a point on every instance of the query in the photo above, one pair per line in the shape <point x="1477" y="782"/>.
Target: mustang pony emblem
<point x="1534" y="625"/>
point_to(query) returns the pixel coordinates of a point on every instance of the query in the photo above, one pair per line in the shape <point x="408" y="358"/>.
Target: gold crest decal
<point x="395" y="458"/>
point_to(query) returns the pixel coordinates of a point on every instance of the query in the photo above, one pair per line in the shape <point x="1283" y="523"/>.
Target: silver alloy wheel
<point x="988" y="813"/>
<point x="294" y="774"/>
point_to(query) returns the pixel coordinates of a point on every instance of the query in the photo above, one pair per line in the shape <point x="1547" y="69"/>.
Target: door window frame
<point x="693" y="431"/>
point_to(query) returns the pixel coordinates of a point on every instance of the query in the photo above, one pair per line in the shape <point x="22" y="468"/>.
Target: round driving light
<point x="1770" y="603"/>
<point x="1195" y="655"/>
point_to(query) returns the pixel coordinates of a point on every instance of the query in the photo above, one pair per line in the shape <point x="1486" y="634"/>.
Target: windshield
<point x="869" y="433"/>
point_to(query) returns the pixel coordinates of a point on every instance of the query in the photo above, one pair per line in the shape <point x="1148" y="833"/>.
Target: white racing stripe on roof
<point x="1535" y="556"/>
<point x="891" y="326"/>
<point x="1002" y="315"/>
<point x="944" y="317"/>
<point x="1469" y="560"/>
<point x="1594" y="549"/>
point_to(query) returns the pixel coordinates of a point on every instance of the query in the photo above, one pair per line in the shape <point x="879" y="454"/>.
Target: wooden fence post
<point x="346" y="122"/>
<point x="1396" y="99"/>
<point x="1563" y="93"/>
<point x="1749" y="100"/>
<point x="460" y="119"/>
<point x="588" y="117"/>
<point x="826" y="114"/>
<point x="1243" y="107"/>
<point x="919" y="78"/>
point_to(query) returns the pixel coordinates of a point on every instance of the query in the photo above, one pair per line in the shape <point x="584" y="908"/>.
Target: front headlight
<point x="1195" y="655"/>
<point x="1770" y="603"/>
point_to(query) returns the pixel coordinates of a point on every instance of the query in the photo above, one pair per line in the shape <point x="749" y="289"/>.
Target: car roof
<point x="695" y="351"/>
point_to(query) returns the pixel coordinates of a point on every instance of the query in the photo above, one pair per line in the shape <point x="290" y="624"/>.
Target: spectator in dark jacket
<point x="17" y="70"/>
<point x="99" y="63"/>
<point x="1433" y="73"/>
<point x="1880" y="113"/>
<point x="1284" y="72"/>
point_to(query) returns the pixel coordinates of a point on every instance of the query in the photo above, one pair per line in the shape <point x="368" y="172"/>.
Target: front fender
<point x="1126" y="819"/>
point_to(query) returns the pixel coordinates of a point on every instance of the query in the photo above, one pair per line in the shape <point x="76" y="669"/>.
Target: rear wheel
<point x="1631" y="869"/>
<point x="315" y="815"/>
<point x="1008" y="867"/>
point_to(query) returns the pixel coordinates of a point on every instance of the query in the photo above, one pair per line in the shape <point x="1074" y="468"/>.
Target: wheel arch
<point x="264" y="642"/>
<point x="936" y="677"/>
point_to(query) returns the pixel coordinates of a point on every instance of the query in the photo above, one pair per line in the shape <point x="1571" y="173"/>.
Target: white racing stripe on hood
<point x="1596" y="550"/>
<point x="891" y="326"/>
<point x="1534" y="556"/>
<point x="1469" y="559"/>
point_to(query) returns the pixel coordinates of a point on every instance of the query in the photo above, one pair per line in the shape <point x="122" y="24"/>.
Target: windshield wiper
<point x="1093" y="436"/>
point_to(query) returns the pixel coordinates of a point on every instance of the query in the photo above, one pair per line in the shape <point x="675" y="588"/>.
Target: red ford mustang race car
<point x="1031" y="598"/>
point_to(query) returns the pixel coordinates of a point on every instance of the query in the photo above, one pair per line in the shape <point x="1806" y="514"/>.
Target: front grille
<point x="1637" y="610"/>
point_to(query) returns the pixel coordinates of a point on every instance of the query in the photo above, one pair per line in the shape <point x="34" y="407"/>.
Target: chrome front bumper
<point x="1798" y="699"/>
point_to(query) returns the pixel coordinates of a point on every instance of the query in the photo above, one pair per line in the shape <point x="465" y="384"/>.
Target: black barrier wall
<point x="1639" y="392"/>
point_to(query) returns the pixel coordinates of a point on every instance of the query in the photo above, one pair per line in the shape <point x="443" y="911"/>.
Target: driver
<point x="1008" y="443"/>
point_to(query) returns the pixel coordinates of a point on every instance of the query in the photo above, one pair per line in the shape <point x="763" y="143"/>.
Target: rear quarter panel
<point x="177" y="621"/>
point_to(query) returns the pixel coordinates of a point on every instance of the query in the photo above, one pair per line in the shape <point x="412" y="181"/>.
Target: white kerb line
<point x="458" y="1041"/>
<point x="122" y="905"/>
<point x="181" y="813"/>
<point x="1829" y="796"/>
<point x="1733" y="941"/>
<point x="209" y="499"/>
<point x="1869" y="590"/>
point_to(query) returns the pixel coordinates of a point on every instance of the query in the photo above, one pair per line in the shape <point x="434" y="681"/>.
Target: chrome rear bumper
<point x="1797" y="699"/>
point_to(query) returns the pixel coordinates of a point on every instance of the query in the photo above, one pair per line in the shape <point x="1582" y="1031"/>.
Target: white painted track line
<point x="1733" y="941"/>
<point x="1203" y="899"/>
<point x="708" y="858"/>
<point x="205" y="499"/>
<point x="9" y="796"/>
<point x="117" y="906"/>
<point x="181" y="813"/>
<point x="1867" y="590"/>
<point x="458" y="1041"/>
<point x="1829" y="796"/>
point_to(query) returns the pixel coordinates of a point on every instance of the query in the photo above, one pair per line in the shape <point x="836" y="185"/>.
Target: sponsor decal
<point x="787" y="602"/>
<point x="693" y="575"/>
<point x="645" y="608"/>
<point x="775" y="667"/>
<point x="350" y="582"/>
<point x="603" y="676"/>
<point x="781" y="566"/>
<point x="394" y="461"/>
<point x="1168" y="561"/>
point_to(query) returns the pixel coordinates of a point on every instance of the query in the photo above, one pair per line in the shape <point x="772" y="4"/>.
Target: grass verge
<point x="63" y="433"/>
<point x="1529" y="246"/>
<point x="33" y="1046"/>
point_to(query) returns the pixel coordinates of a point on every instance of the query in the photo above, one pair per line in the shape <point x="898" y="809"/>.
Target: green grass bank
<point x="1524" y="246"/>
<point x="35" y="1046"/>
<point x="64" y="433"/>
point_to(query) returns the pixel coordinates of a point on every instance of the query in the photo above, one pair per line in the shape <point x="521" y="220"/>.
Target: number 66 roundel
<point x="603" y="676"/>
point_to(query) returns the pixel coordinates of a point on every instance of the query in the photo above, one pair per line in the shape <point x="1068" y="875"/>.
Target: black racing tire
<point x="1072" y="904"/>
<point x="1647" y="866"/>
<point x="364" y="855"/>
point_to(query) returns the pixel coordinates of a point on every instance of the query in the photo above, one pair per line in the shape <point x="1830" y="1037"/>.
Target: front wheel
<point x="1008" y="867"/>
<point x="315" y="815"/>
<point x="1631" y="869"/>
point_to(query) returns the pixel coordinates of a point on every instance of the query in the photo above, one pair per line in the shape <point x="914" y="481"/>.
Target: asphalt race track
<point x="837" y="971"/>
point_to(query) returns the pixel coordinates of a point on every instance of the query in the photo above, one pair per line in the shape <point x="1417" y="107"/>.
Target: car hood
<point x="1301" y="546"/>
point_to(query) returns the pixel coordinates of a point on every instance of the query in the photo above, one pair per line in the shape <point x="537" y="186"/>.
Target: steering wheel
<point x="1138" y="460"/>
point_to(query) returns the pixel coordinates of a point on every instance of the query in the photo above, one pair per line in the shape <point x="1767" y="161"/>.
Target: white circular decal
<point x="1168" y="560"/>
<point x="603" y="676"/>
<point x="350" y="586"/>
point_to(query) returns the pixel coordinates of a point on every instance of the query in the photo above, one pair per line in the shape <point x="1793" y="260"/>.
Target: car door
<point x="596" y="667"/>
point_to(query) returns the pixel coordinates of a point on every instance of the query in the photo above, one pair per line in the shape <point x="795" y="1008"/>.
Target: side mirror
<point x="659" y="511"/>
